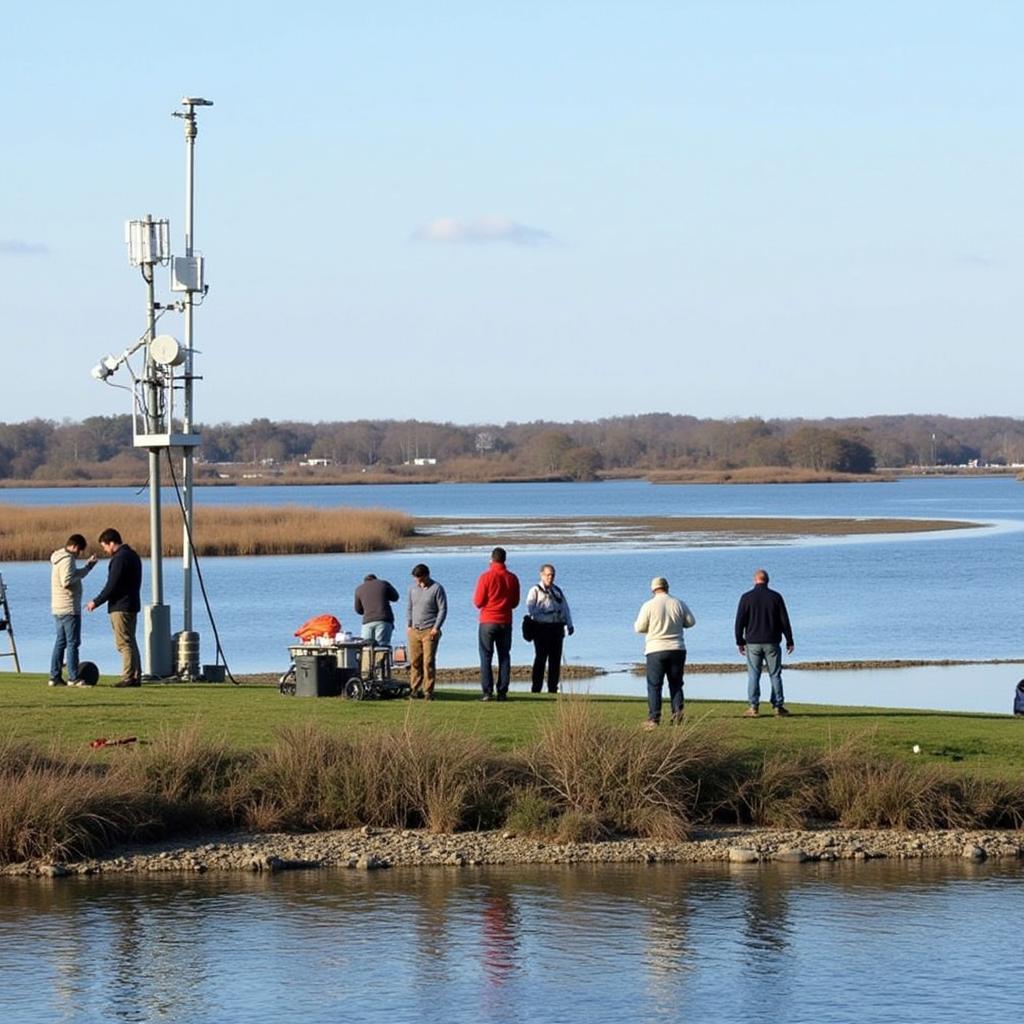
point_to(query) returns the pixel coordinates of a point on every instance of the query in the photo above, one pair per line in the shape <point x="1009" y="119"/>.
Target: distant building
<point x="422" y="462"/>
<point x="316" y="462"/>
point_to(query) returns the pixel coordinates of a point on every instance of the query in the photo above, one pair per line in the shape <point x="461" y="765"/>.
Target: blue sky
<point x="484" y="212"/>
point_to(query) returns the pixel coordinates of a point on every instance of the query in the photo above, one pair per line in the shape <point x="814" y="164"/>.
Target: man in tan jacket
<point x="66" y="604"/>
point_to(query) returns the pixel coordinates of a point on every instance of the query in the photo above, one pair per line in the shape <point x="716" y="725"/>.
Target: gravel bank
<point x="374" y="848"/>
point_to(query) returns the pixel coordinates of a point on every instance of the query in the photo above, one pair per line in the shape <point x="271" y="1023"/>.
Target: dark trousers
<point x="548" y="638"/>
<point x="495" y="636"/>
<point x="662" y="665"/>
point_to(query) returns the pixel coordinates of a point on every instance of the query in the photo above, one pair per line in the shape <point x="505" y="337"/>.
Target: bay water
<point x="841" y="942"/>
<point x="946" y="595"/>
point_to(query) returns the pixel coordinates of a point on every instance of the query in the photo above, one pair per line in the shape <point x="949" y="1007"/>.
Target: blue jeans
<point x="69" y="636"/>
<point x="495" y="635"/>
<point x="764" y="656"/>
<point x="378" y="632"/>
<point x="662" y="664"/>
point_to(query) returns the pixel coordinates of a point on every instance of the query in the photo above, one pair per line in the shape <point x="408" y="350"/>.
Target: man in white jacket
<point x="662" y="619"/>
<point x="66" y="604"/>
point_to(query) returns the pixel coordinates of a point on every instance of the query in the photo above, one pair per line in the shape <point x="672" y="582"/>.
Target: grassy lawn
<point x="247" y="716"/>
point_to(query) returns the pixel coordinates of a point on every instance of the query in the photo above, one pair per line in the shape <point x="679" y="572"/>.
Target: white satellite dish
<point x="167" y="350"/>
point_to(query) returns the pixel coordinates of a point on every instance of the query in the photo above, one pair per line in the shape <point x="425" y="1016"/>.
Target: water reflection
<point x="655" y="943"/>
<point x="500" y="934"/>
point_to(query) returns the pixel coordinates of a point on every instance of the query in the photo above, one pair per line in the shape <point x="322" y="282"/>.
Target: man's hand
<point x="742" y="648"/>
<point x="570" y="630"/>
<point x="91" y="606"/>
<point x="93" y="559"/>
<point x="789" y="648"/>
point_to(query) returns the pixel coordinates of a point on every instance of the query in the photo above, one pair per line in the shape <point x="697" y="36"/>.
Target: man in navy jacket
<point x="121" y="596"/>
<point x="761" y="623"/>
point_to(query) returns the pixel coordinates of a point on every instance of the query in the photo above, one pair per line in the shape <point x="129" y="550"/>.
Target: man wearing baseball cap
<point x="662" y="620"/>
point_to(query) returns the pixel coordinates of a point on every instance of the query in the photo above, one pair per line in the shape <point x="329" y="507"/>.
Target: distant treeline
<point x="100" y="447"/>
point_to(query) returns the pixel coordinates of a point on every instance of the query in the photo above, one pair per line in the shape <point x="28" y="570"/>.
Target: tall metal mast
<point x="149" y="244"/>
<point x="191" y="130"/>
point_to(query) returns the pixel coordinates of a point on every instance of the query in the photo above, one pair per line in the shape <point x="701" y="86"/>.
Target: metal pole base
<point x="186" y="645"/>
<point x="156" y="632"/>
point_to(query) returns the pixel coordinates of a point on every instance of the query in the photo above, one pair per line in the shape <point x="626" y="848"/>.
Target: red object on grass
<point x="102" y="741"/>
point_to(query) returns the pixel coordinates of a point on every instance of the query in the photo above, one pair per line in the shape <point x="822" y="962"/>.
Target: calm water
<point x="860" y="943"/>
<point x="950" y="595"/>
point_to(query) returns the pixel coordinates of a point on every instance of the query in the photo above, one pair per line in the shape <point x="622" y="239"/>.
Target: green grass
<point x="249" y="717"/>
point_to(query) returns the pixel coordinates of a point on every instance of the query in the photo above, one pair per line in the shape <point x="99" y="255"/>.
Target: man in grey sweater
<point x="428" y="608"/>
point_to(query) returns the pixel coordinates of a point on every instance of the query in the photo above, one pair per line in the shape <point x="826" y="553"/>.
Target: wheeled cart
<point x="374" y="680"/>
<point x="357" y="669"/>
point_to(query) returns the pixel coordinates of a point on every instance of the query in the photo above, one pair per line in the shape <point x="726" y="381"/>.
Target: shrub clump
<point x="605" y="779"/>
<point x="409" y="778"/>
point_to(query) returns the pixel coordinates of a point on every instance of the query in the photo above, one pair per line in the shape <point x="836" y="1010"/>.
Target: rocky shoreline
<point x="378" y="848"/>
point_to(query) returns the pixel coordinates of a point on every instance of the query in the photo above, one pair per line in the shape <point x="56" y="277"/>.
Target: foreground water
<point x="874" y="942"/>
<point x="946" y="595"/>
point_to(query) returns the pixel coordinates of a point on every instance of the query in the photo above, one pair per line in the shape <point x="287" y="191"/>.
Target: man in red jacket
<point x="497" y="593"/>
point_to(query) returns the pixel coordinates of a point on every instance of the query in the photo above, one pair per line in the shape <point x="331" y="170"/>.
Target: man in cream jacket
<point x="662" y="619"/>
<point x="66" y="604"/>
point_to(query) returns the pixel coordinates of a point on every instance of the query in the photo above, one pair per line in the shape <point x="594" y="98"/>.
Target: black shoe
<point x="127" y="682"/>
<point x="781" y="712"/>
<point x="502" y="696"/>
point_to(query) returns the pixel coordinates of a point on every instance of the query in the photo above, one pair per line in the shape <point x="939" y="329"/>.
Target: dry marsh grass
<point x="412" y="777"/>
<point x="31" y="534"/>
<point x="180" y="780"/>
<point x="860" y="790"/>
<point x="761" y="475"/>
<point x="781" y="790"/>
<point x="583" y="779"/>
<point x="54" y="808"/>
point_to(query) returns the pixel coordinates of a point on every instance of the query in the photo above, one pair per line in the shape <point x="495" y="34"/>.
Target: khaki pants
<point x="123" y="626"/>
<point x="422" y="659"/>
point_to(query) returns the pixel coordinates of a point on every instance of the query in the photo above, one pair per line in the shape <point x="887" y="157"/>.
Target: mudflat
<point x="691" y="531"/>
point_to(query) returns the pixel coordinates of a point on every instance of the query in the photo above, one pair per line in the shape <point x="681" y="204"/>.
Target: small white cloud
<point x="482" y="229"/>
<point x="975" y="260"/>
<point x="18" y="247"/>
